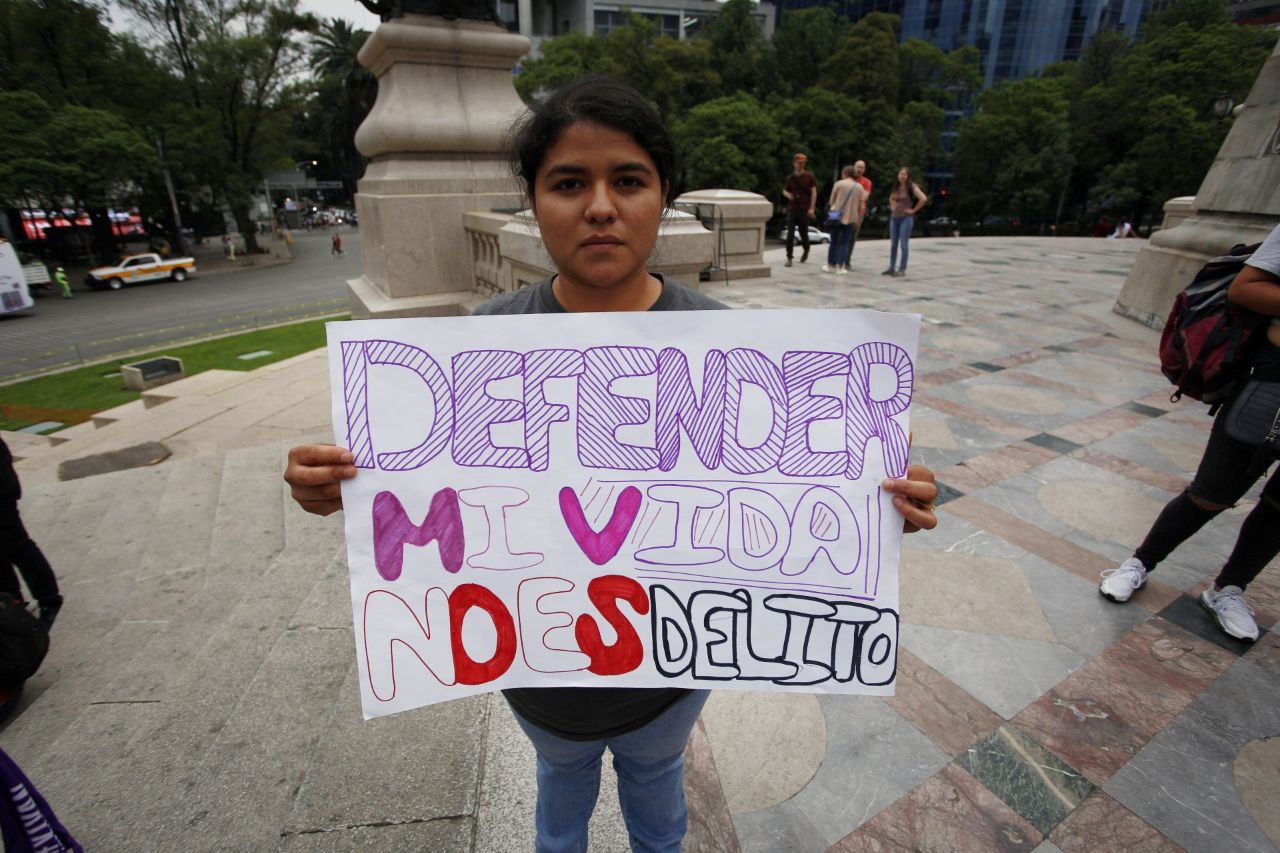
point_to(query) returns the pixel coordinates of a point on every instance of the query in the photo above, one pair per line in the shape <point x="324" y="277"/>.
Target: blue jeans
<point x="848" y="246"/>
<point x="650" y="766"/>
<point x="900" y="232"/>
<point x="841" y="236"/>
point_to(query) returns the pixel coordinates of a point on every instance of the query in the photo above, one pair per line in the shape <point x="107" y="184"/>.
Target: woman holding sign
<point x="596" y="164"/>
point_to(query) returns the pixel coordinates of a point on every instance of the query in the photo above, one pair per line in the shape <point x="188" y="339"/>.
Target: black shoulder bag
<point x="1254" y="419"/>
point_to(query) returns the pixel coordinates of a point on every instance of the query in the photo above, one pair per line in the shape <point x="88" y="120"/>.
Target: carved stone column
<point x="434" y="138"/>
<point x="1238" y="202"/>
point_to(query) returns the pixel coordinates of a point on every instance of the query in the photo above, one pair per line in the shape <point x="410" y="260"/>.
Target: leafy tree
<point x="1125" y="104"/>
<point x="927" y="73"/>
<point x="801" y="43"/>
<point x="344" y="94"/>
<point x="1097" y="63"/>
<point x="561" y="60"/>
<point x="675" y="75"/>
<point x="1196" y="14"/>
<point x="99" y="155"/>
<point x="235" y="59"/>
<point x="74" y="156"/>
<point x="864" y="64"/>
<point x="730" y="142"/>
<point x="28" y="177"/>
<point x="820" y="123"/>
<point x="60" y="49"/>
<point x="1013" y="154"/>
<point x="917" y="137"/>
<point x="739" y="49"/>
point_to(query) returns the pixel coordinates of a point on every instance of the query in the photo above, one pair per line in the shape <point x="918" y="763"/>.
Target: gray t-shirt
<point x="592" y="713"/>
<point x="1267" y="257"/>
<point x="538" y="298"/>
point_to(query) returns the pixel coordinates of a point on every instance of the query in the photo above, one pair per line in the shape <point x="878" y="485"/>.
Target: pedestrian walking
<point x="859" y="176"/>
<point x="60" y="276"/>
<point x="1228" y="469"/>
<point x="596" y="164"/>
<point x="801" y="192"/>
<point x="844" y="212"/>
<point x="18" y="551"/>
<point x="335" y="247"/>
<point x="905" y="200"/>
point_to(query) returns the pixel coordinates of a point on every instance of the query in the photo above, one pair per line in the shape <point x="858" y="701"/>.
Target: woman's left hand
<point x="914" y="497"/>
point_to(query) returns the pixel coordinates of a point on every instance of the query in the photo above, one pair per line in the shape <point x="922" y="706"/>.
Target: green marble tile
<point x="1031" y="780"/>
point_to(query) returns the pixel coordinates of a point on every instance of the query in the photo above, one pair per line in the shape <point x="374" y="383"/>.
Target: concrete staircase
<point x="200" y="690"/>
<point x="211" y="411"/>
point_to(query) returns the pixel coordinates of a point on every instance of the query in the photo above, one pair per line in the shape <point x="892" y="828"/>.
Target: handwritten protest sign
<point x="628" y="500"/>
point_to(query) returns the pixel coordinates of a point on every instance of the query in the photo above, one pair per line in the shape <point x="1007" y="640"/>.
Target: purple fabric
<point x="27" y="823"/>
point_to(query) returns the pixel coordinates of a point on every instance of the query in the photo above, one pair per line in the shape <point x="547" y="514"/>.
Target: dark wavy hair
<point x="600" y="100"/>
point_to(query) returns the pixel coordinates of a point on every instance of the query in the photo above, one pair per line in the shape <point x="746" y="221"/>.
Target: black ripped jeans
<point x="1226" y="472"/>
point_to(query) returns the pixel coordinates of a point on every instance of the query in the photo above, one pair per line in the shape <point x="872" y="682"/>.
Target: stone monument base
<point x="1173" y="256"/>
<point x="434" y="139"/>
<point x="369" y="303"/>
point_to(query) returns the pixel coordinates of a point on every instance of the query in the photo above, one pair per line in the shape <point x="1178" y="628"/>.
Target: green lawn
<point x="74" y="396"/>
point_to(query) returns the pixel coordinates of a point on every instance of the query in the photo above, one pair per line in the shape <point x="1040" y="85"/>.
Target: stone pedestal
<point x="435" y="141"/>
<point x="683" y="250"/>
<point x="1178" y="210"/>
<point x="740" y="216"/>
<point x="1238" y="202"/>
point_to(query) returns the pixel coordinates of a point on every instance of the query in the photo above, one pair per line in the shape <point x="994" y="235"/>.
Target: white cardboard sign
<point x="675" y="499"/>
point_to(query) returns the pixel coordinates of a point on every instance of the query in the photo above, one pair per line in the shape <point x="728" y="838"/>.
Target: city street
<point x="101" y="324"/>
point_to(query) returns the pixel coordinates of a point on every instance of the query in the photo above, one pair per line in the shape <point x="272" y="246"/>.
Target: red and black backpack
<point x="1209" y="343"/>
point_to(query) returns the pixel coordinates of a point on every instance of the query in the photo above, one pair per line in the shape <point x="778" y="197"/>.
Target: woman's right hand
<point x="314" y="472"/>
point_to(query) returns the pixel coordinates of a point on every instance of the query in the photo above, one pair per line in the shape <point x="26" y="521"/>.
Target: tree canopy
<point x="215" y="94"/>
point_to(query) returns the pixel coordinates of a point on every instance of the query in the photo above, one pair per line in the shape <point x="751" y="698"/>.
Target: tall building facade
<point x="1015" y="37"/>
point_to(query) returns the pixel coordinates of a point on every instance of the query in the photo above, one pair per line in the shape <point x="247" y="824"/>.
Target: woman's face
<point x="903" y="176"/>
<point x="598" y="200"/>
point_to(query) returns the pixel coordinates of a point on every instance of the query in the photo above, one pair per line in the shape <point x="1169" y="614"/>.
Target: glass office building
<point x="1015" y="37"/>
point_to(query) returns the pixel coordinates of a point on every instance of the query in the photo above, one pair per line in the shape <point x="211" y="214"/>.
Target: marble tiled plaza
<point x="200" y="694"/>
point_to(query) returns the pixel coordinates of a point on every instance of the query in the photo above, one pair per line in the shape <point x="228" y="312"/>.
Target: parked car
<point x="135" y="268"/>
<point x="943" y="221"/>
<point x="816" y="235"/>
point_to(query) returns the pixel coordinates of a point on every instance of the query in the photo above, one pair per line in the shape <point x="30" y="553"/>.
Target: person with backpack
<point x="1242" y="445"/>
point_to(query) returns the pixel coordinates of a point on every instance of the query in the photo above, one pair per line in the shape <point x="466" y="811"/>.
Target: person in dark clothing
<point x="17" y="550"/>
<point x="801" y="192"/>
<point x="597" y="165"/>
<point x="1227" y="471"/>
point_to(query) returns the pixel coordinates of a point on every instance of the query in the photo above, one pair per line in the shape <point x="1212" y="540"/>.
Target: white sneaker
<point x="1124" y="580"/>
<point x="1233" y="613"/>
<point x="842" y="270"/>
<point x="826" y="268"/>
